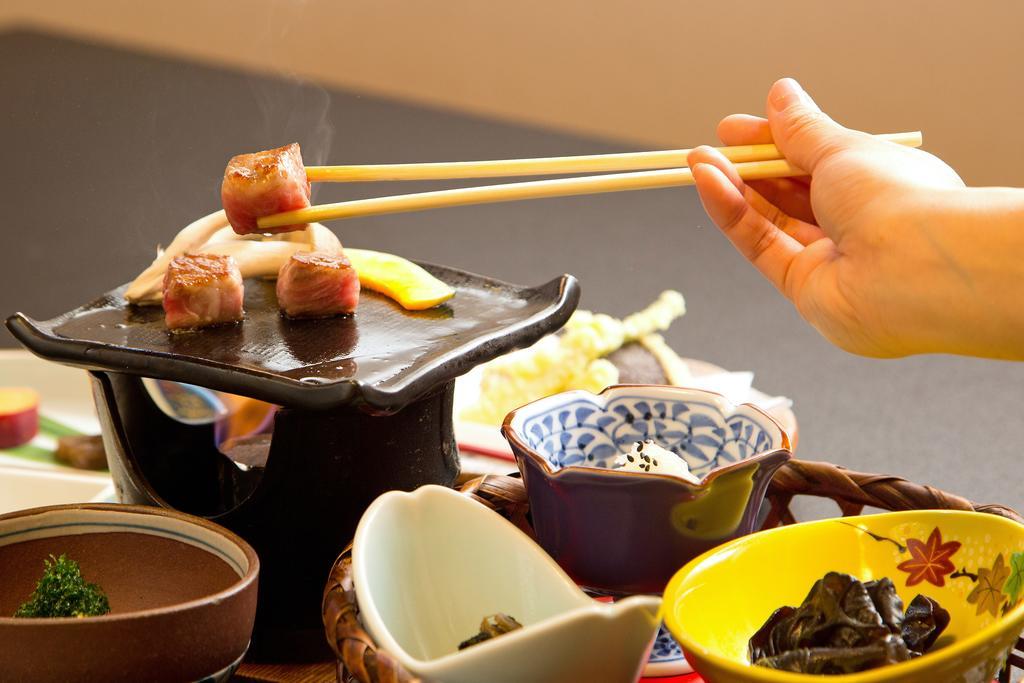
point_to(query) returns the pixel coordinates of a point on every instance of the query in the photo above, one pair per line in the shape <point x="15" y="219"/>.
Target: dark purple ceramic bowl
<point x="628" y="532"/>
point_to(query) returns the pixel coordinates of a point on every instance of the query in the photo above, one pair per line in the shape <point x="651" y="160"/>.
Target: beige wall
<point x="654" y="73"/>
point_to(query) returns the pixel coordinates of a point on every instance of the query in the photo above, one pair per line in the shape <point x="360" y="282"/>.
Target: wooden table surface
<point x="286" y="673"/>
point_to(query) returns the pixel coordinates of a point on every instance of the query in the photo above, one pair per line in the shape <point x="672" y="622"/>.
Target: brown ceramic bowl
<point x="182" y="594"/>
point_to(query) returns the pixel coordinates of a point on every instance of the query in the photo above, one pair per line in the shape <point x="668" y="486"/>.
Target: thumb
<point x="802" y="132"/>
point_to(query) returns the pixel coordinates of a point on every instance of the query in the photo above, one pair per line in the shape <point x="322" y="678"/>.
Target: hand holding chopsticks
<point x="753" y="162"/>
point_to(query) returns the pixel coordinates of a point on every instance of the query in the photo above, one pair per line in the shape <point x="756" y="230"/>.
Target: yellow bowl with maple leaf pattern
<point x="971" y="563"/>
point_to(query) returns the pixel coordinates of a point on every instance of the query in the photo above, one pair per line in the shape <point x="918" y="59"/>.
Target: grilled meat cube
<point x="317" y="285"/>
<point x="262" y="184"/>
<point x="201" y="290"/>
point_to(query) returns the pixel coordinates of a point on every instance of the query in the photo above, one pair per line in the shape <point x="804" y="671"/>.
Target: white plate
<point x="24" y="487"/>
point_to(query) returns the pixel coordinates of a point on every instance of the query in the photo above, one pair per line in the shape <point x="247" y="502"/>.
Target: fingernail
<point x="696" y="153"/>
<point x="787" y="92"/>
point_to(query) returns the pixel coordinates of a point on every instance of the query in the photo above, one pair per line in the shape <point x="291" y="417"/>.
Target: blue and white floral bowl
<point x="628" y="532"/>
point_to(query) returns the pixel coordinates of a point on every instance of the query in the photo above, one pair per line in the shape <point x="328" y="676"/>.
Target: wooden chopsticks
<point x="593" y="163"/>
<point x="754" y="162"/>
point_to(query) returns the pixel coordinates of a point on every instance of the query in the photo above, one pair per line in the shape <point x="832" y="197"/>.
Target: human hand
<point x="855" y="246"/>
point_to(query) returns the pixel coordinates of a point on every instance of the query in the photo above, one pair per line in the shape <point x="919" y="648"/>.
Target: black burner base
<point x="300" y="511"/>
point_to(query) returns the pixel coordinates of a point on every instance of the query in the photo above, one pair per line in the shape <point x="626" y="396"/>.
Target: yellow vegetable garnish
<point x="572" y="360"/>
<point x="397" y="278"/>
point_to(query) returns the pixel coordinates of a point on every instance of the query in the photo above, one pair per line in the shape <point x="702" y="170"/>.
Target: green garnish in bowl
<point x="62" y="592"/>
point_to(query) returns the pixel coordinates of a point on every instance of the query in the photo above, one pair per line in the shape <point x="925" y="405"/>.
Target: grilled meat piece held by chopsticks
<point x="262" y="184"/>
<point x="317" y="285"/>
<point x="201" y="290"/>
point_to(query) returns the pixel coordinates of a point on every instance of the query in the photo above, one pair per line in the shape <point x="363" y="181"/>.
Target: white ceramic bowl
<point x="429" y="565"/>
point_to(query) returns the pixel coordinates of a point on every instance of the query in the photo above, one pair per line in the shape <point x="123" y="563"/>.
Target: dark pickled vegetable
<point x="924" y="623"/>
<point x="761" y="645"/>
<point x="887" y="602"/>
<point x="840" y="660"/>
<point x="491" y="627"/>
<point x="845" y="626"/>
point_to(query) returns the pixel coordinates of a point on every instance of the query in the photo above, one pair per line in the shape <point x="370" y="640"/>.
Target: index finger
<point x="744" y="129"/>
<point x="792" y="195"/>
<point x="767" y="247"/>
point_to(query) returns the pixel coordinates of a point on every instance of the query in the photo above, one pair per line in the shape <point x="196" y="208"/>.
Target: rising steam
<point x="294" y="110"/>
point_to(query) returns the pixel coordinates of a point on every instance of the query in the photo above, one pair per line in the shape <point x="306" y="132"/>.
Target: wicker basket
<point x="360" y="660"/>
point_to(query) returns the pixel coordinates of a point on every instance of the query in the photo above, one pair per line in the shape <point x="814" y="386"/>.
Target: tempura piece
<point x="574" y="359"/>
